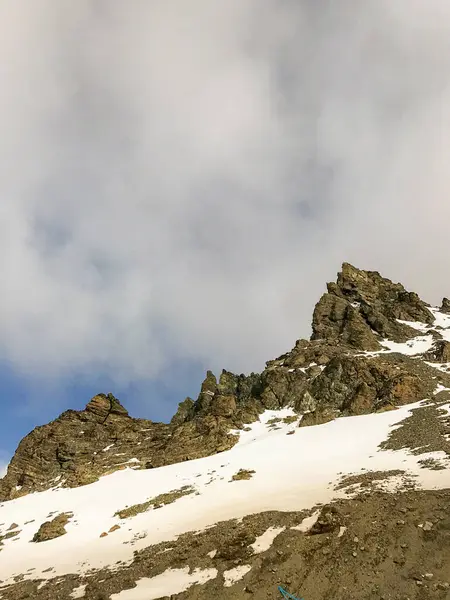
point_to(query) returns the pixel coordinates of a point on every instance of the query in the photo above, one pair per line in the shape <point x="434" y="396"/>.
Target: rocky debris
<point x="319" y="417"/>
<point x="52" y="529"/>
<point x="368" y="480"/>
<point x="323" y="378"/>
<point x="426" y="430"/>
<point x="328" y="520"/>
<point x="375" y="557"/>
<point x="7" y="536"/>
<point x="243" y="474"/>
<point x="157" y="502"/>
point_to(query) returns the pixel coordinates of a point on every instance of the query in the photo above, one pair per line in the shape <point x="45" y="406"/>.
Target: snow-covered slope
<point x="275" y="466"/>
<point x="294" y="468"/>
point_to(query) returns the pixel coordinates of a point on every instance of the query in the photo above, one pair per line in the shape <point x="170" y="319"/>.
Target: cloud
<point x="178" y="184"/>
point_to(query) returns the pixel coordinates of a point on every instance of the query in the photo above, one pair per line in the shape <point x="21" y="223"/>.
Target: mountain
<point x="328" y="473"/>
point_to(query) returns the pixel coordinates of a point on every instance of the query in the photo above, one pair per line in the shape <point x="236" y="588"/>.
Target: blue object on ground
<point x="287" y="595"/>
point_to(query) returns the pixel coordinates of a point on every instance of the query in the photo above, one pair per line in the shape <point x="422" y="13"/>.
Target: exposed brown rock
<point x="318" y="417"/>
<point x="243" y="474"/>
<point x="102" y="406"/>
<point x="445" y="307"/>
<point x="52" y="529"/>
<point x="440" y="352"/>
<point x="328" y="520"/>
<point x="325" y="377"/>
<point x="362" y="304"/>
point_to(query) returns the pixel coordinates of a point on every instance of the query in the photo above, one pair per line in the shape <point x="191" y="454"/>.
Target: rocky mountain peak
<point x="104" y="405"/>
<point x="362" y="306"/>
<point x="344" y="369"/>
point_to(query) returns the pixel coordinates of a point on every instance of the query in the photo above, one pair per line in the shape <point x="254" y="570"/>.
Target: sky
<point x="179" y="180"/>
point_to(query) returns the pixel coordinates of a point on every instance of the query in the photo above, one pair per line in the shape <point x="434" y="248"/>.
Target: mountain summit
<point x="322" y="378"/>
<point x="378" y="356"/>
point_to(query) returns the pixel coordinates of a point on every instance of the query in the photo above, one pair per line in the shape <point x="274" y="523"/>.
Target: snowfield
<point x="292" y="472"/>
<point x="294" y="469"/>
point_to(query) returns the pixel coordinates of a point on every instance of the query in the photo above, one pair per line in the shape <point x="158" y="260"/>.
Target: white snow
<point x="78" y="592"/>
<point x="264" y="541"/>
<point x="441" y="323"/>
<point x="307" y="522"/>
<point x="292" y="473"/>
<point x="443" y="367"/>
<point x="441" y="320"/>
<point x="234" y="575"/>
<point x="172" y="581"/>
<point x="423" y="327"/>
<point x="417" y="345"/>
<point x="342" y="530"/>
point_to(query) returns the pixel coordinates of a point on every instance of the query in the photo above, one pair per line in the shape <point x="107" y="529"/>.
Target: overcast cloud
<point x="179" y="179"/>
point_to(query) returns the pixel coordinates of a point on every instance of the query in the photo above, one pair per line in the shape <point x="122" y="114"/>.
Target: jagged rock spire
<point x="103" y="405"/>
<point x="362" y="306"/>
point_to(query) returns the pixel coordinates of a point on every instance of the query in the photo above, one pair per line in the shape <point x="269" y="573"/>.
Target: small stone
<point x="427" y="526"/>
<point x="401" y="522"/>
<point x="428" y="576"/>
<point x="356" y="540"/>
<point x="443" y="585"/>
<point x="103" y="534"/>
<point x="403" y="546"/>
<point x="419" y="582"/>
<point x="354" y="554"/>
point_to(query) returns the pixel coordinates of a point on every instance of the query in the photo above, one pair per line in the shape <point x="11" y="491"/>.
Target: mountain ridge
<point x="321" y="378"/>
<point x="327" y="473"/>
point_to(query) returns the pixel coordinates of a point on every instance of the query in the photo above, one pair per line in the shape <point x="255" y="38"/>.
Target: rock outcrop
<point x="342" y="370"/>
<point x="362" y="306"/>
<point x="52" y="529"/>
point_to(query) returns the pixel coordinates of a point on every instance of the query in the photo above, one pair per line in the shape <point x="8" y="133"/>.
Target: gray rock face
<point x="328" y="376"/>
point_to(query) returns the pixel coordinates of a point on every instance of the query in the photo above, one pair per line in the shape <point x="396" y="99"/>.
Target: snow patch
<point x="79" y="592"/>
<point x="442" y="322"/>
<point x="264" y="541"/>
<point x="342" y="530"/>
<point x="423" y="327"/>
<point x="172" y="581"/>
<point x="234" y="575"/>
<point x="417" y="345"/>
<point x="307" y="522"/>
